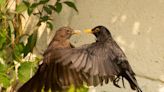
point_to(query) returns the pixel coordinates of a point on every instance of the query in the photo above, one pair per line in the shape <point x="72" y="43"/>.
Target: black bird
<point x="112" y="61"/>
<point x="102" y="60"/>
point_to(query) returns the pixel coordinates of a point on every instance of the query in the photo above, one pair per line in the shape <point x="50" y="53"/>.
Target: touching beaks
<point x="76" y="32"/>
<point x="88" y="31"/>
<point x="79" y="32"/>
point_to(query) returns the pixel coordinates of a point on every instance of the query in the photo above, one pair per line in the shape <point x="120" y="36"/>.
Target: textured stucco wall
<point x="136" y="25"/>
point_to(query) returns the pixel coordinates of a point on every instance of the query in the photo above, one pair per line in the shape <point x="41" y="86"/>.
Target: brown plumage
<point x="52" y="75"/>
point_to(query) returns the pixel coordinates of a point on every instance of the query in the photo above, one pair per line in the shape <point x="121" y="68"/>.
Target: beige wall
<point x="137" y="26"/>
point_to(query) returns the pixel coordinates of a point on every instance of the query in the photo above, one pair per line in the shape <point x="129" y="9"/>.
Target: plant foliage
<point x="15" y="67"/>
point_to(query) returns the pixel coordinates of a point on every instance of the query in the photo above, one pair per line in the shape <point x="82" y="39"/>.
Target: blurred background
<point x="136" y="25"/>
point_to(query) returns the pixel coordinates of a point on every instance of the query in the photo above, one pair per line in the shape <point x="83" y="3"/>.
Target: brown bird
<point x="102" y="60"/>
<point x="51" y="75"/>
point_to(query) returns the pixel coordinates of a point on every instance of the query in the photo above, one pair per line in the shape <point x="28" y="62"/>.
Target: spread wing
<point x="99" y="60"/>
<point x="92" y="64"/>
<point x="52" y="75"/>
<point x="57" y="76"/>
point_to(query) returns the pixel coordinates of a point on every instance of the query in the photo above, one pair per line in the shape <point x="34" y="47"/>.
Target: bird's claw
<point x="115" y="82"/>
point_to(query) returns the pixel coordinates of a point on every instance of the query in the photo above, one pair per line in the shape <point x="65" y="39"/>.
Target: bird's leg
<point x="115" y="82"/>
<point x="123" y="82"/>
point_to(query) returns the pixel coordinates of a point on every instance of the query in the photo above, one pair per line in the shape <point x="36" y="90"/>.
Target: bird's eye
<point x="96" y="30"/>
<point x="68" y="31"/>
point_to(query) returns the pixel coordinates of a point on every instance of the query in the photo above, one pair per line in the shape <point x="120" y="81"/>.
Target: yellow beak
<point x="76" y="32"/>
<point x="88" y="31"/>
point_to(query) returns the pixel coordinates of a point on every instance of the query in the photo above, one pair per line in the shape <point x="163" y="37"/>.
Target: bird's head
<point x="66" y="32"/>
<point x="101" y="33"/>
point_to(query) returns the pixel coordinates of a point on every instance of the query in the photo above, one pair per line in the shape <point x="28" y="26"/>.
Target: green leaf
<point x="3" y="39"/>
<point x="50" y="25"/>
<point x="2" y="42"/>
<point x="3" y="68"/>
<point x="30" y="44"/>
<point x="52" y="7"/>
<point x="71" y="4"/>
<point x="21" y="7"/>
<point x="4" y="79"/>
<point x="3" y="55"/>
<point x="58" y="7"/>
<point x="47" y="9"/>
<point x="32" y="7"/>
<point x="72" y="89"/>
<point x="11" y="26"/>
<point x="18" y="50"/>
<point x="80" y="89"/>
<point x="24" y="71"/>
<point x="2" y="2"/>
<point x="44" y="18"/>
<point x="29" y="11"/>
<point x="43" y="1"/>
<point x="26" y="3"/>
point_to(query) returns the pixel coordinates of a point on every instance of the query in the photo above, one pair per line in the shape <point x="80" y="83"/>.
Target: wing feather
<point x="83" y="63"/>
<point x="98" y="60"/>
<point x="88" y="65"/>
<point x="76" y="60"/>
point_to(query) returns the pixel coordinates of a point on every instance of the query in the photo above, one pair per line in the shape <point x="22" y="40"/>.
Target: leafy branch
<point x="46" y="9"/>
<point x="13" y="47"/>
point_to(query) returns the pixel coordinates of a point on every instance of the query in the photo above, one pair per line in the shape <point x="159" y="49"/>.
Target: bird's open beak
<point x="88" y="31"/>
<point x="76" y="32"/>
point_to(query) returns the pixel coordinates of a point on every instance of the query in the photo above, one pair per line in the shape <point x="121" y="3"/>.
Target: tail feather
<point x="125" y="71"/>
<point x="132" y="81"/>
<point x="33" y="85"/>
